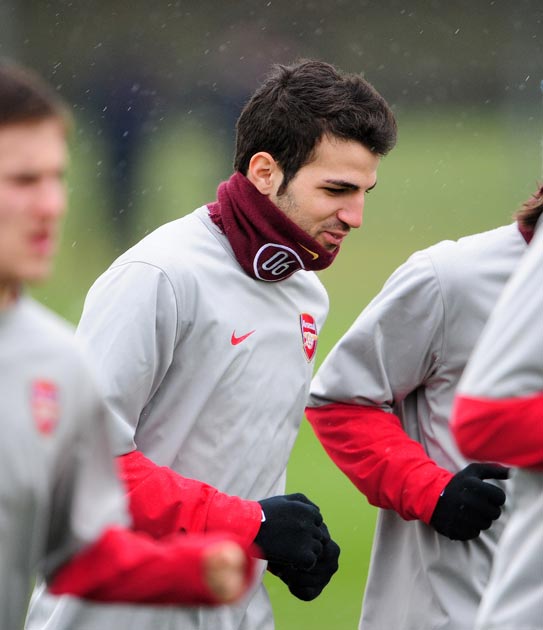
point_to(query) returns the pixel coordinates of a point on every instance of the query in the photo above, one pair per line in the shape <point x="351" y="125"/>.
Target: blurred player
<point x="380" y="404"/>
<point x="498" y="416"/>
<point x="62" y="510"/>
<point x="205" y="332"/>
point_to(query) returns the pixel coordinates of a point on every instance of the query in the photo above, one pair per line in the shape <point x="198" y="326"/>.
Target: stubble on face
<point x="289" y="206"/>
<point x="326" y="196"/>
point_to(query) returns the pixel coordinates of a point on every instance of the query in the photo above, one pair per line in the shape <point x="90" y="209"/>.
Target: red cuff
<point x="125" y="566"/>
<point x="509" y="430"/>
<point x="370" y="446"/>
<point x="163" y="502"/>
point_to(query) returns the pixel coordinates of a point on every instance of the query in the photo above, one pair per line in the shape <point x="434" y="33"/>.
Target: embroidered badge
<point x="44" y="401"/>
<point x="309" y="335"/>
<point x="274" y="262"/>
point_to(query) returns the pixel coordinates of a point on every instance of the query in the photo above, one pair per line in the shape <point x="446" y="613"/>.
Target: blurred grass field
<point x="454" y="174"/>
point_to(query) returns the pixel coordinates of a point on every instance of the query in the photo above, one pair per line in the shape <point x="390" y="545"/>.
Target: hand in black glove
<point x="468" y="505"/>
<point x="307" y="585"/>
<point x="293" y="532"/>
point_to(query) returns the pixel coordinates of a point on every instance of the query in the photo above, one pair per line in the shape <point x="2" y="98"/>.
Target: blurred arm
<point x="509" y="430"/>
<point x="498" y="410"/>
<point x="125" y="566"/>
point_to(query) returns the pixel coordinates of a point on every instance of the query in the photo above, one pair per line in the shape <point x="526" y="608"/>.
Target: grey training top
<point x="508" y="363"/>
<point x="405" y="354"/>
<point x="168" y="327"/>
<point x="58" y="488"/>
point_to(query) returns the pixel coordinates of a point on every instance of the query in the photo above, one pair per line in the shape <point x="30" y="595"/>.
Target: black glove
<point x="293" y="532"/>
<point x="307" y="585"/>
<point x="468" y="505"/>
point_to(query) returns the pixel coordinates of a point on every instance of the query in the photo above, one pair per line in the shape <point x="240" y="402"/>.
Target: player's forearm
<point x="509" y="431"/>
<point x="125" y="566"/>
<point x="370" y="446"/>
<point x="163" y="502"/>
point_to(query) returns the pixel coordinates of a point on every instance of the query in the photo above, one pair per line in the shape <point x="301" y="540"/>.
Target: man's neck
<point x="8" y="294"/>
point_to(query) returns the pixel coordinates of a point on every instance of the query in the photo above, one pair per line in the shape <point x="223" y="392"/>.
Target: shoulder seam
<point x="443" y="309"/>
<point x="165" y="273"/>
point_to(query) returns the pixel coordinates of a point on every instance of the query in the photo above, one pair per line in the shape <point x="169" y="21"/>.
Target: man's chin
<point x="37" y="273"/>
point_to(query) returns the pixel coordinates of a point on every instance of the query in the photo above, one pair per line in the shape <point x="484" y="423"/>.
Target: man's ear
<point x="264" y="173"/>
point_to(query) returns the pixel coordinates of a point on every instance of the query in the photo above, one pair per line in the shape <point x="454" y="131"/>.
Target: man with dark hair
<point x="299" y="106"/>
<point x="63" y="511"/>
<point x="205" y="334"/>
<point x="381" y="404"/>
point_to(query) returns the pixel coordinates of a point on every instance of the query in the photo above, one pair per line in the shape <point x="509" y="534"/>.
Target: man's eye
<point x="24" y="180"/>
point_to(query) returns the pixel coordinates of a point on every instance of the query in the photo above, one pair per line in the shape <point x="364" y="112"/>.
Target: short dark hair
<point x="300" y="103"/>
<point x="25" y="97"/>
<point x="530" y="211"/>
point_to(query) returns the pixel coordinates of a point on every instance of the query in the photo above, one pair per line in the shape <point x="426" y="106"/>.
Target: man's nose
<point x="352" y="212"/>
<point x="50" y="199"/>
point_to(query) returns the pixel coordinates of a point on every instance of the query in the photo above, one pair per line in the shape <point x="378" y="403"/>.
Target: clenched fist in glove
<point x="468" y="505"/>
<point x="308" y="584"/>
<point x="293" y="531"/>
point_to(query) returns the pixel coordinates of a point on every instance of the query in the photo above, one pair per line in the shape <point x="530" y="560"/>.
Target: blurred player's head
<point x="311" y="139"/>
<point x="530" y="211"/>
<point x="33" y="156"/>
<point x="26" y="98"/>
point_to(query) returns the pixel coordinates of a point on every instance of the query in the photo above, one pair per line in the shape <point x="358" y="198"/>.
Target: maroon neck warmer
<point x="266" y="243"/>
<point x="527" y="233"/>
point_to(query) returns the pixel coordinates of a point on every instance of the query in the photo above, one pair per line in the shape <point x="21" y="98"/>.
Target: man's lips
<point x="42" y="242"/>
<point x="334" y="238"/>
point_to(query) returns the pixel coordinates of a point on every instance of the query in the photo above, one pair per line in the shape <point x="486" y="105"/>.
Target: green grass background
<point x="455" y="173"/>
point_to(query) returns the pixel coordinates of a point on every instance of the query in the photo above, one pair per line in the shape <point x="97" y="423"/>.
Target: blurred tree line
<point x="131" y="67"/>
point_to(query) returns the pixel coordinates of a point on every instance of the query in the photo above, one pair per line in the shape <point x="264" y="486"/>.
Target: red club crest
<point x="44" y="401"/>
<point x="309" y="335"/>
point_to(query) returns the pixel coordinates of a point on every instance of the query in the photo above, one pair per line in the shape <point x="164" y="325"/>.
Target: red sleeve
<point x="509" y="431"/>
<point x="163" y="502"/>
<point x="125" y="566"/>
<point x="370" y="446"/>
